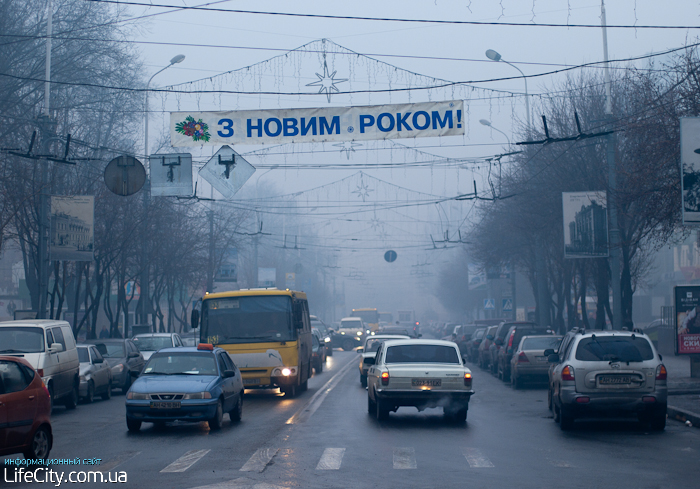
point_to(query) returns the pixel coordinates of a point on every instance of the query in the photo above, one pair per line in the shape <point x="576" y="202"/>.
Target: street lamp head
<point x="493" y="55"/>
<point x="484" y="122"/>
<point x="177" y="59"/>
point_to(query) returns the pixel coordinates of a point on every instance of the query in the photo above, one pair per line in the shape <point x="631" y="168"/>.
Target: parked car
<point x="123" y="357"/>
<point x="462" y="334"/>
<point x="186" y="384"/>
<point x="370" y="350"/>
<point x="528" y="362"/>
<point x="472" y="350"/>
<point x="149" y="343"/>
<point x="26" y="407"/>
<point x="350" y="334"/>
<point x="49" y="347"/>
<point x="95" y="374"/>
<point x="513" y="336"/>
<point x="484" y="357"/>
<point x="318" y="351"/>
<point x="499" y="339"/>
<point x="419" y="373"/>
<point x="597" y="373"/>
<point x="326" y="333"/>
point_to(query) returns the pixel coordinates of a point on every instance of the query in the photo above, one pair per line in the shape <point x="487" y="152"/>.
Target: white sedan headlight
<point x="359" y="333"/>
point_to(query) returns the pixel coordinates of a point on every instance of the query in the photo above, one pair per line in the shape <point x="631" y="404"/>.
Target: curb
<point x="683" y="415"/>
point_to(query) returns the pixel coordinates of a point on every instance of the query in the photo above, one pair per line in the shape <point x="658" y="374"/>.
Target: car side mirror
<point x="360" y="350"/>
<point x="499" y="341"/>
<point x="229" y="373"/>
<point x="133" y="354"/>
<point x="489" y="337"/>
<point x="548" y="351"/>
<point x="553" y="358"/>
<point x="369" y="360"/>
<point x="99" y="360"/>
<point x="194" y="319"/>
<point x="56" y="348"/>
<point x="134" y="373"/>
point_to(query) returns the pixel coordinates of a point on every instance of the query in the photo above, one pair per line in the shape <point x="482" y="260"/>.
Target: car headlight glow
<point x="138" y="396"/>
<point x="327" y="339"/>
<point x="284" y="371"/>
<point x="359" y="333"/>
<point x="197" y="395"/>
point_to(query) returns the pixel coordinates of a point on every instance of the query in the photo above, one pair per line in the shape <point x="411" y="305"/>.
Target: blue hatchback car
<point x="187" y="384"/>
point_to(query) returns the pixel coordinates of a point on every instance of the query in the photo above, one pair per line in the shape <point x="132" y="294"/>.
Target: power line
<point x="390" y="19"/>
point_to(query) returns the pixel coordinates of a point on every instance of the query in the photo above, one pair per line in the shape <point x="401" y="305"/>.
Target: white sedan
<point x="419" y="373"/>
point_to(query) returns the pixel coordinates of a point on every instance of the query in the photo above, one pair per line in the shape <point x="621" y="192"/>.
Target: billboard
<point x="687" y="302"/>
<point x="690" y="169"/>
<point x="72" y="231"/>
<point x="280" y="126"/>
<point x="228" y="269"/>
<point x="585" y="224"/>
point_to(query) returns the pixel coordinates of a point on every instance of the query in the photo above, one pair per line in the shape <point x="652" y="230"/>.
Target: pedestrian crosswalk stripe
<point x="186" y="461"/>
<point x="475" y="458"/>
<point x="117" y="461"/>
<point x="259" y="460"/>
<point x="404" y="458"/>
<point x="331" y="459"/>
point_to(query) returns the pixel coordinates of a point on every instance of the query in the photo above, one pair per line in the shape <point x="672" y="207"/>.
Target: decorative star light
<point x="348" y="147"/>
<point x="326" y="82"/>
<point x="362" y="191"/>
<point x="375" y="222"/>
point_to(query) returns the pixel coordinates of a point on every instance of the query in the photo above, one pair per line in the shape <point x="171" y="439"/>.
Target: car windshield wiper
<point x="158" y="373"/>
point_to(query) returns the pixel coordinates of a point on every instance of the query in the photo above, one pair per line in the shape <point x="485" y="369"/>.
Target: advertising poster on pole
<point x="687" y="302"/>
<point x="72" y="231"/>
<point x="690" y="169"/>
<point x="228" y="270"/>
<point x="585" y="224"/>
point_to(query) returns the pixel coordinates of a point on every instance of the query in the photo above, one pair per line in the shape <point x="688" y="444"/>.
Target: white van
<point x="49" y="346"/>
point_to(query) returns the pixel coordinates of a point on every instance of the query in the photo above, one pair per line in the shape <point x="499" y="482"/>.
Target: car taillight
<point x="522" y="358"/>
<point x="661" y="372"/>
<point x="48" y="394"/>
<point x="567" y="373"/>
<point x="510" y="340"/>
<point x="40" y="371"/>
<point x="385" y="378"/>
<point x="467" y="379"/>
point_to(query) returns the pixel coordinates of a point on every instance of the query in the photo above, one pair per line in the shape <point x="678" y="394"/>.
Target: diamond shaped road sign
<point x="489" y="304"/>
<point x="227" y="171"/>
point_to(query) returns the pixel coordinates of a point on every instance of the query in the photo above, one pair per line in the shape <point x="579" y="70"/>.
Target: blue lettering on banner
<point x="425" y="115"/>
<point x="335" y="123"/>
<point x="442" y="122"/>
<point x="290" y="126"/>
<point x="278" y="126"/>
<point x="227" y="126"/>
<point x="258" y="127"/>
<point x="366" y="121"/>
<point x="401" y="121"/>
<point x="310" y="126"/>
<point x="383" y="116"/>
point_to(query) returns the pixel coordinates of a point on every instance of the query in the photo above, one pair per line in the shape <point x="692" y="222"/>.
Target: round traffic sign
<point x="125" y="175"/>
<point x="390" y="256"/>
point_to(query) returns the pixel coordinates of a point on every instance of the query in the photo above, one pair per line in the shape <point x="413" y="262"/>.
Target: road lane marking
<point x="475" y="458"/>
<point x="331" y="459"/>
<point x="117" y="461"/>
<point x="405" y="458"/>
<point x="315" y="402"/>
<point x="560" y="463"/>
<point x="186" y="461"/>
<point x="259" y="460"/>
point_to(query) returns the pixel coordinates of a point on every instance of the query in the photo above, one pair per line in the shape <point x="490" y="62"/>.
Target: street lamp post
<point x="487" y="123"/>
<point x="542" y="289"/>
<point x="144" y="250"/>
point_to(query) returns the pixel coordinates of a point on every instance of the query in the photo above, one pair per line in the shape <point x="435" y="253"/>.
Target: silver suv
<point x="607" y="373"/>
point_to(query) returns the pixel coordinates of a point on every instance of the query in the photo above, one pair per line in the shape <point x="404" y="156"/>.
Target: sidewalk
<point x="683" y="391"/>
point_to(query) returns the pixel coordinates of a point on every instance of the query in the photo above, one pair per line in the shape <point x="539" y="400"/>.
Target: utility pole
<point x="45" y="127"/>
<point x="210" y="263"/>
<point x="612" y="186"/>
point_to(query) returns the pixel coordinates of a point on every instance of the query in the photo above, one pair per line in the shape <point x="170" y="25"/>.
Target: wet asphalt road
<point x="325" y="439"/>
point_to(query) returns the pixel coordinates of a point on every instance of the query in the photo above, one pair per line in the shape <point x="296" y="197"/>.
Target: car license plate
<point x="426" y="382"/>
<point x="614" y="379"/>
<point x="165" y="405"/>
<point x="541" y="359"/>
<point x="251" y="381"/>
